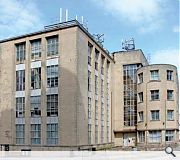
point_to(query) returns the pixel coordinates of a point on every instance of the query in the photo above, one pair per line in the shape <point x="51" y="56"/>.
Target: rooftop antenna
<point x="66" y="15"/>
<point x="128" y="44"/>
<point x="60" y="15"/>
<point x="76" y="17"/>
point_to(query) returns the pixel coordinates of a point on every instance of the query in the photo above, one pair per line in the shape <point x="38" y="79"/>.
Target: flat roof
<point x="58" y="26"/>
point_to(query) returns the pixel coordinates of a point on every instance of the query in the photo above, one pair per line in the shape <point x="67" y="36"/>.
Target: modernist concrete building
<point x="61" y="90"/>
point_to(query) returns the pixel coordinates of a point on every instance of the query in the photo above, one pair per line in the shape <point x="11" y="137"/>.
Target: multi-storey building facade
<point x="61" y="90"/>
<point x="55" y="88"/>
<point x="157" y="92"/>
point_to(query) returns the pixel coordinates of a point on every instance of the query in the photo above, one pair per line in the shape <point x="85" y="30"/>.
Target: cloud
<point x="18" y="17"/>
<point x="167" y="56"/>
<point x="176" y="29"/>
<point x="146" y="14"/>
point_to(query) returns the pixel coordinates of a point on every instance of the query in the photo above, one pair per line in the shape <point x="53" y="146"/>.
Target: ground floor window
<point x="52" y="133"/>
<point x="20" y="132"/>
<point x="154" y="136"/>
<point x="169" y="135"/>
<point x="35" y="134"/>
<point x="141" y="136"/>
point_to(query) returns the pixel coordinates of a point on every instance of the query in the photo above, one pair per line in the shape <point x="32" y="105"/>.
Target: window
<point x="52" y="76"/>
<point x="140" y="78"/>
<point x="20" y="107"/>
<point x="35" y="102"/>
<point x="141" y="136"/>
<point x="36" y="49"/>
<point x="154" y="95"/>
<point x="35" y="134"/>
<point x="89" y="133"/>
<point x="52" y="133"/>
<point x="20" y="52"/>
<point x="96" y="59"/>
<point x="169" y="135"/>
<point x="96" y="134"/>
<point x="154" y="75"/>
<point x="20" y="80"/>
<point x="89" y="81"/>
<point x="52" y="105"/>
<point x="52" y="46"/>
<point x="89" y="108"/>
<point x="102" y="114"/>
<point x="96" y="111"/>
<point x="154" y="136"/>
<point x="170" y="115"/>
<point x="155" y="115"/>
<point x="102" y="134"/>
<point x="90" y="47"/>
<point x="36" y="78"/>
<point x="141" y="117"/>
<point x="20" y="132"/>
<point x="102" y="88"/>
<point x="140" y="96"/>
<point x="102" y="65"/>
<point x="169" y="75"/>
<point x="96" y="85"/>
<point x="169" y="94"/>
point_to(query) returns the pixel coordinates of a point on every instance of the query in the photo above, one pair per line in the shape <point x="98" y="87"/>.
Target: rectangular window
<point x="20" y="80"/>
<point x="169" y="136"/>
<point x="102" y="65"/>
<point x="52" y="134"/>
<point x="89" y="133"/>
<point x="102" y="134"/>
<point x="52" y="76"/>
<point x="35" y="102"/>
<point x="155" y="115"/>
<point x="20" y="133"/>
<point x="141" y="136"/>
<point x="89" y="108"/>
<point x="141" y="117"/>
<point x="140" y="77"/>
<point x="169" y="75"/>
<point x="20" y="52"/>
<point x="96" y="111"/>
<point x="96" y="59"/>
<point x="20" y="107"/>
<point x="52" y="105"/>
<point x="90" y="47"/>
<point x="96" y="85"/>
<point x="102" y="88"/>
<point x="96" y="134"/>
<point x="89" y="81"/>
<point x="170" y="115"/>
<point x="36" y="78"/>
<point x="35" y="134"/>
<point x="140" y="96"/>
<point x="154" y="75"/>
<point x="52" y="46"/>
<point x="35" y="49"/>
<point x="155" y="136"/>
<point x="154" y="95"/>
<point x="169" y="94"/>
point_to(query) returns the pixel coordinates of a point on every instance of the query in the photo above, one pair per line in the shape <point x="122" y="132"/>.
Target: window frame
<point x="155" y="115"/>
<point x="154" y="75"/>
<point x="155" y="96"/>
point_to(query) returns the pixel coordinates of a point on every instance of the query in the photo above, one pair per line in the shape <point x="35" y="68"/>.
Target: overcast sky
<point x="154" y="24"/>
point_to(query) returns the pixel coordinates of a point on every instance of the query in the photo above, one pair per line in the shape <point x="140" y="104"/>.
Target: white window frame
<point x="20" y="107"/>
<point x="35" y="102"/>
<point x="155" y="115"/>
<point x="155" y="136"/>
<point x="35" y="134"/>
<point x="154" y="75"/>
<point x="20" y="133"/>
<point x="52" y="75"/>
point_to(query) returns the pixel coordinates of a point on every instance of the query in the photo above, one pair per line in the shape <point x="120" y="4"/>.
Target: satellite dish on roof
<point x="128" y="44"/>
